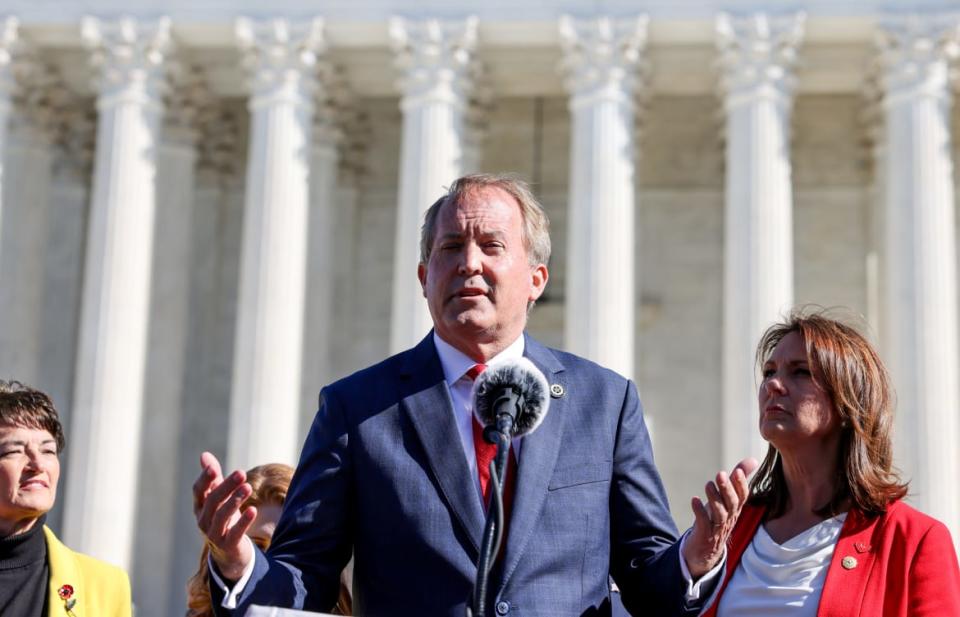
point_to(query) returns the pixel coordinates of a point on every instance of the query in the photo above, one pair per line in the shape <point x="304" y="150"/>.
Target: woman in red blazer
<point x="824" y="532"/>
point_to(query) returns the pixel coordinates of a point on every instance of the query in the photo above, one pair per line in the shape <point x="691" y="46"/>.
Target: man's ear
<point x="422" y="275"/>
<point x="539" y="275"/>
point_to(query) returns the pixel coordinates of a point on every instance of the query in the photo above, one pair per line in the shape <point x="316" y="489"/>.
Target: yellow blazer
<point x="100" y="590"/>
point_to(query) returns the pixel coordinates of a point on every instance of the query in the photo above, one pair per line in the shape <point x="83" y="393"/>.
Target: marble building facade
<point x="207" y="212"/>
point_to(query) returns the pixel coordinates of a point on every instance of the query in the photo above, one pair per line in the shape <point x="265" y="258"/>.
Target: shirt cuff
<point x="230" y="595"/>
<point x="707" y="581"/>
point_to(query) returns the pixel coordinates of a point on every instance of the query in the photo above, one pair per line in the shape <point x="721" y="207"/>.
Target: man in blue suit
<point x="389" y="470"/>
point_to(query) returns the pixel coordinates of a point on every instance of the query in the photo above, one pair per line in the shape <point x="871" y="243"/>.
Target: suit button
<point x="503" y="607"/>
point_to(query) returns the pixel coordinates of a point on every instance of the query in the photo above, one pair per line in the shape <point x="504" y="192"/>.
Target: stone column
<point x="108" y="403"/>
<point x="214" y="264"/>
<point x="322" y="254"/>
<point x="757" y="55"/>
<point x="69" y="213"/>
<point x="167" y="351"/>
<point x="280" y="57"/>
<point x="9" y="45"/>
<point x="476" y="123"/>
<point x="921" y="276"/>
<point x="29" y="159"/>
<point x="434" y="58"/>
<point x="601" y="59"/>
<point x="353" y="169"/>
<point x="875" y="154"/>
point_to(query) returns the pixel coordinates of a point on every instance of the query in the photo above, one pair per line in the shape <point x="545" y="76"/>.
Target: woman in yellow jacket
<point x="39" y="576"/>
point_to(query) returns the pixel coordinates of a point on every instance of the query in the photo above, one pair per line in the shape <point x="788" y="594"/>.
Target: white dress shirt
<point x="455" y="365"/>
<point x="774" y="580"/>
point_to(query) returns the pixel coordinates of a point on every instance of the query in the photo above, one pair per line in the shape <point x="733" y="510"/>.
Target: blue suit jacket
<point x="383" y="474"/>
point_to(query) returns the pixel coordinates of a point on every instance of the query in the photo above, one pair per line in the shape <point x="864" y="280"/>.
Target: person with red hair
<point x="269" y="483"/>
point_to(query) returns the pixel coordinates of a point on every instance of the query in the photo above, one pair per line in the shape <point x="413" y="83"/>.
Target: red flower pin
<point x="66" y="594"/>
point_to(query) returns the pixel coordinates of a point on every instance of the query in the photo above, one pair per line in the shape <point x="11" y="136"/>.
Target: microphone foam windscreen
<point x="522" y="375"/>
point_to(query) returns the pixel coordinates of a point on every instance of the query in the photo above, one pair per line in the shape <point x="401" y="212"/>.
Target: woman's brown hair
<point x="852" y="374"/>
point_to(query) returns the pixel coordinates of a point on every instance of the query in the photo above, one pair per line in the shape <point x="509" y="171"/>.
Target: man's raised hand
<point x="714" y="520"/>
<point x="216" y="504"/>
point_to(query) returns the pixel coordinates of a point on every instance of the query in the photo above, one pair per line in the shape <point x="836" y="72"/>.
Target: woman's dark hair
<point x="853" y="376"/>
<point x="23" y="406"/>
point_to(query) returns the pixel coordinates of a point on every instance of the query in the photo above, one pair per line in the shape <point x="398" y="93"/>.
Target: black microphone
<point x="512" y="396"/>
<point x="510" y="399"/>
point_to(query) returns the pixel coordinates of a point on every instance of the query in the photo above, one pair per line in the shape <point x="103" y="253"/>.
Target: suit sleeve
<point x="644" y="552"/>
<point x="934" y="576"/>
<point x="313" y="539"/>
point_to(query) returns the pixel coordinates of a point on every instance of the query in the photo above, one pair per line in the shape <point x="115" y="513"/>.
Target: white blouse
<point x="774" y="580"/>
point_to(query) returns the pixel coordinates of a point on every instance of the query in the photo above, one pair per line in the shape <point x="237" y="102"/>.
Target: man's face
<point x="478" y="279"/>
<point x="29" y="471"/>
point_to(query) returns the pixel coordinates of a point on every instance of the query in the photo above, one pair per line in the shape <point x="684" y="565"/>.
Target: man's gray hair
<point x="536" y="225"/>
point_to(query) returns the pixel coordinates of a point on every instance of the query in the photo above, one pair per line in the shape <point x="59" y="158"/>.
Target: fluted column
<point x="76" y="129"/>
<point x="476" y="123"/>
<point x="921" y="277"/>
<point x="434" y="58"/>
<point x="323" y="234"/>
<point x="875" y="144"/>
<point x="757" y="55"/>
<point x="601" y="60"/>
<point x="108" y="406"/>
<point x="9" y="45"/>
<point x="265" y="398"/>
<point x="29" y="159"/>
<point x="169" y="328"/>
<point x="352" y="171"/>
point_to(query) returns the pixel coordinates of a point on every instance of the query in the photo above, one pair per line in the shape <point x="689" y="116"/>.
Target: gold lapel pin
<point x="848" y="562"/>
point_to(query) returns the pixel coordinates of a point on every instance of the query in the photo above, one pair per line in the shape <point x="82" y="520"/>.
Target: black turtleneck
<point x="24" y="573"/>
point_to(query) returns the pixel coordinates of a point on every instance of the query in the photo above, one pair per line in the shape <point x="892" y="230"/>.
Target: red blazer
<point x="899" y="564"/>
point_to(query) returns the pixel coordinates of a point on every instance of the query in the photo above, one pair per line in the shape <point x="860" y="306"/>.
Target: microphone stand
<point x="493" y="529"/>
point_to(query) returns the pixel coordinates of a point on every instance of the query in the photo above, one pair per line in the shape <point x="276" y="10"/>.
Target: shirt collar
<point x="455" y="363"/>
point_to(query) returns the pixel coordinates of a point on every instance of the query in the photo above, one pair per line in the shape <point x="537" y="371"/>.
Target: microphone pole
<point x="506" y="406"/>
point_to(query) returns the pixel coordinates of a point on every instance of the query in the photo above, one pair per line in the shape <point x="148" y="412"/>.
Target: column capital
<point x="39" y="99"/>
<point x="348" y="124"/>
<point x="184" y="102"/>
<point x="477" y="116"/>
<point x="871" y="117"/>
<point x="603" y="57"/>
<point x="218" y="146"/>
<point x="914" y="52"/>
<point x="435" y="58"/>
<point x="352" y="156"/>
<point x="280" y="56"/>
<point x="757" y="55"/>
<point x="128" y="56"/>
<point x="476" y="122"/>
<point x="77" y="139"/>
<point x="10" y="44"/>
<point x="328" y="102"/>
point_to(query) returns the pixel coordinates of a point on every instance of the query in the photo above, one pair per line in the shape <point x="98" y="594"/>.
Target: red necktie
<point x="486" y="452"/>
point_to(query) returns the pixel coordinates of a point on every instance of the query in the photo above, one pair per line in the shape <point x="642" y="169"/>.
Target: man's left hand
<point x="714" y="520"/>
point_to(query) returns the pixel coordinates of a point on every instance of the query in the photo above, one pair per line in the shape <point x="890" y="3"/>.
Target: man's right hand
<point x="216" y="504"/>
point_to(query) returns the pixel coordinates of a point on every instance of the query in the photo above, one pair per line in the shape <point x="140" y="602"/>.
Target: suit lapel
<point x="430" y="409"/>
<point x="538" y="456"/>
<point x="853" y="559"/>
